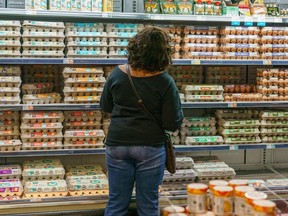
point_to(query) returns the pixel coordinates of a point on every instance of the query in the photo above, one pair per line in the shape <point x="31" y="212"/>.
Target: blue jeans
<point x="128" y="164"/>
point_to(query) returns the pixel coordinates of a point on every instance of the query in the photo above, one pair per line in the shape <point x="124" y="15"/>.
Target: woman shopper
<point x="135" y="150"/>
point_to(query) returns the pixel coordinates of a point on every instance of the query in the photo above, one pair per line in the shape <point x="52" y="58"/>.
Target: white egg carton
<point x="47" y="98"/>
<point x="83" y="25"/>
<point x="41" y="136"/>
<point x="9" y="92"/>
<point x="97" y="43"/>
<point x="41" y="127"/>
<point x="242" y="139"/>
<point x="234" y="114"/>
<point x="35" y="189"/>
<point x="116" y="42"/>
<point x="273" y="115"/>
<point x="78" y="134"/>
<point x="10" y="34"/>
<point x="274" y="123"/>
<point x="87" y="53"/>
<point x="10" y="81"/>
<point x="86" y="81"/>
<point x="37" y="88"/>
<point x="43" y="32"/>
<point x="10" y="187"/>
<point x="121" y="34"/>
<point x="42" y="41"/>
<point x="215" y="173"/>
<point x="122" y="26"/>
<point x="82" y="72"/>
<point x="273" y="131"/>
<point x="242" y="123"/>
<point x="203" y="98"/>
<point x="78" y="125"/>
<point x="42" y="53"/>
<point x="10" y="43"/>
<point x="90" y="172"/>
<point x="239" y="132"/>
<point x="180" y="175"/>
<point x="277" y="182"/>
<point x="10" y="145"/>
<point x="87" y="192"/>
<point x="198" y="131"/>
<point x="42" y="145"/>
<point x="10" y="100"/>
<point x="10" y="70"/>
<point x="198" y="121"/>
<point x="274" y="139"/>
<point x="184" y="163"/>
<point x="49" y="25"/>
<point x="10" y="53"/>
<point x="42" y="116"/>
<point x="10" y="23"/>
<point x="204" y="140"/>
<point x="209" y="165"/>
<point x="203" y="89"/>
<point x="13" y="171"/>
<point x="43" y="172"/>
<point x="85" y="167"/>
<point x="40" y="44"/>
<point x="85" y="41"/>
<point x="82" y="91"/>
<point x="86" y="34"/>
<point x="117" y="52"/>
<point x="9" y="116"/>
<point x="82" y="99"/>
<point x="41" y="162"/>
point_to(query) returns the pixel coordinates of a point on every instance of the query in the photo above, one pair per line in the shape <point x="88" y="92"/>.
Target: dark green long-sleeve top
<point x="129" y="123"/>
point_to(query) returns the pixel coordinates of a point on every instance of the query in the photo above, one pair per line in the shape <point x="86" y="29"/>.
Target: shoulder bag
<point x="170" y="153"/>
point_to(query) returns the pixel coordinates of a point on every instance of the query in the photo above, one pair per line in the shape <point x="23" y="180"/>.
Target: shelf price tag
<point x="36" y="200"/>
<point x="278" y="20"/>
<point x="267" y="62"/>
<point x="261" y="21"/>
<point x="68" y="61"/>
<point x="248" y="21"/>
<point x="201" y="18"/>
<point x="106" y="15"/>
<point x="232" y="105"/>
<point x="157" y="17"/>
<point x="28" y="107"/>
<point x="235" y="21"/>
<point x="270" y="146"/>
<point x="233" y="147"/>
<point x="31" y="12"/>
<point x="195" y="62"/>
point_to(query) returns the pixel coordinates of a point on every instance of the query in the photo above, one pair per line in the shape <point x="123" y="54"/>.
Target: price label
<point x="68" y="61"/>
<point x="270" y="146"/>
<point x="31" y="12"/>
<point x="36" y="200"/>
<point x="195" y="62"/>
<point x="235" y="21"/>
<point x="106" y="15"/>
<point x="267" y="62"/>
<point x="157" y="17"/>
<point x="233" y="147"/>
<point x="28" y="107"/>
<point x="248" y="21"/>
<point x="278" y="20"/>
<point x="201" y="18"/>
<point x="261" y="21"/>
<point x="232" y="105"/>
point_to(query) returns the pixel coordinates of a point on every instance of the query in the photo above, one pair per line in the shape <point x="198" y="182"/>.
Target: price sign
<point x="31" y="12"/>
<point x="232" y="105"/>
<point x="233" y="147"/>
<point x="270" y="146"/>
<point x="200" y="18"/>
<point x="28" y="107"/>
<point x="267" y="62"/>
<point x="195" y="62"/>
<point x="68" y="61"/>
<point x="235" y="21"/>
<point x="248" y="21"/>
<point x="261" y="21"/>
<point x="106" y="15"/>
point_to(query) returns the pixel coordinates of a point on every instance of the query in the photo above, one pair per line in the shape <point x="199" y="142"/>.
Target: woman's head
<point x="150" y="50"/>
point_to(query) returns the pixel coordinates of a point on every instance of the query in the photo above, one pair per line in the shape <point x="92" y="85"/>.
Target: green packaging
<point x="152" y="6"/>
<point x="185" y="7"/>
<point x="168" y="7"/>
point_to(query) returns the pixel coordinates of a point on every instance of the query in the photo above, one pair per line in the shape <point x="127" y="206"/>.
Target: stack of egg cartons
<point x="83" y="85"/>
<point x="10" y="82"/>
<point x="44" y="178"/>
<point x="9" y="131"/>
<point x="199" y="130"/>
<point x="42" y="84"/>
<point x="183" y="176"/>
<point x="10" y="184"/>
<point x="238" y="126"/>
<point x="42" y="130"/>
<point x="106" y="122"/>
<point x="202" y="93"/>
<point x="240" y="42"/>
<point x="86" y="180"/>
<point x="200" y="42"/>
<point x="225" y="75"/>
<point x="212" y="168"/>
<point x="86" y="40"/>
<point x="175" y="34"/>
<point x="10" y="38"/>
<point x="83" y="130"/>
<point x="43" y="39"/>
<point x="274" y="126"/>
<point x="119" y="35"/>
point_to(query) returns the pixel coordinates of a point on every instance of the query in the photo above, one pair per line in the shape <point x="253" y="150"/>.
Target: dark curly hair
<point x="150" y="50"/>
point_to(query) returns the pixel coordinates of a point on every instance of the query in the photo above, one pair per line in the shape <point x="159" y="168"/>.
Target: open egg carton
<point x="10" y="188"/>
<point x="42" y="170"/>
<point x="10" y="38"/>
<point x="197" y="126"/>
<point x="43" y="39"/>
<point x="10" y="171"/>
<point x="45" y="188"/>
<point x="186" y="75"/>
<point x="212" y="168"/>
<point x="75" y="120"/>
<point x="202" y="93"/>
<point x="86" y="40"/>
<point x="83" y="139"/>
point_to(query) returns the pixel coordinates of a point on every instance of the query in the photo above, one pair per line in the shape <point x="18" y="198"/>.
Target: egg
<point x="286" y="82"/>
<point x="264" y="90"/>
<point x="281" y="91"/>
<point x="286" y="90"/>
<point x="264" y="81"/>
<point x="281" y="82"/>
<point x="265" y="73"/>
<point x="281" y="73"/>
<point x="248" y="89"/>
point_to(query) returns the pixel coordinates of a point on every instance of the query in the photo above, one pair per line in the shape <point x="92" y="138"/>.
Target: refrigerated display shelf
<point x="116" y="61"/>
<point x="72" y="16"/>
<point x="47" y="107"/>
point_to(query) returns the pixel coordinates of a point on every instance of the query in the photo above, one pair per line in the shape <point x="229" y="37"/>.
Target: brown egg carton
<point x="10" y="187"/>
<point x="85" y="80"/>
<point x="217" y="81"/>
<point x="274" y="31"/>
<point x="83" y="115"/>
<point x="239" y="48"/>
<point x="12" y="171"/>
<point x="270" y="90"/>
<point x="37" y="88"/>
<point x="274" y="55"/>
<point x="198" y="47"/>
<point x="239" y="30"/>
<point x="82" y="72"/>
<point x="41" y="127"/>
<point x="9" y="137"/>
<point x="240" y="39"/>
<point x="201" y="30"/>
<point x="273" y="97"/>
<point x="203" y="39"/>
<point x="80" y="125"/>
<point x="269" y="81"/>
<point x="242" y="97"/>
<point x="202" y="55"/>
<point x="47" y="98"/>
<point x="10" y="198"/>
<point x="274" y="40"/>
<point x="12" y="144"/>
<point x="83" y="146"/>
<point x="10" y="70"/>
<point x="82" y="91"/>
<point x="271" y="72"/>
<point x="270" y="48"/>
<point x="172" y="29"/>
<point x="82" y="99"/>
<point x="202" y="89"/>
<point x="241" y="55"/>
<point x="245" y="88"/>
<point x="10" y="100"/>
<point x="225" y="70"/>
<point x="42" y="116"/>
<point x="42" y="145"/>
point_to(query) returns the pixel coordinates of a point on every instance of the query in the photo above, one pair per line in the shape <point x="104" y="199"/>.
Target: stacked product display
<point x="10" y="38"/>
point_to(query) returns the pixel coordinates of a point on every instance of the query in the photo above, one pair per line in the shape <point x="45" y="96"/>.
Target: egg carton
<point x="237" y="132"/>
<point x="30" y="33"/>
<point x="239" y="30"/>
<point x="43" y="189"/>
<point x="274" y="139"/>
<point x="42" y="54"/>
<point x="86" y="41"/>
<point x="42" y="98"/>
<point x="10" y="23"/>
<point x="240" y="39"/>
<point x="242" y="139"/>
<point x="82" y="72"/>
<point x="49" y="25"/>
<point x="241" y="55"/>
<point x="113" y="42"/>
<point x="274" y="30"/>
<point x="38" y="78"/>
<point x="235" y="114"/>
<point x="42" y="145"/>
<point x="41" y="127"/>
<point x="201" y="39"/>
<point x="9" y="130"/>
<point x="89" y="184"/>
<point x="12" y="171"/>
<point x="78" y="173"/>
<point x="81" y="50"/>
<point x="86" y="54"/>
<point x="86" y="80"/>
<point x="8" y="124"/>
<point x="240" y="48"/>
<point x="273" y="131"/>
<point x="10" y="198"/>
<point x="274" y="56"/>
<point x="85" y="167"/>
<point x="242" y="123"/>
<point x="40" y="45"/>
<point x="121" y="34"/>
<point x="8" y="70"/>
<point x="273" y="123"/>
<point x="10" y="34"/>
<point x="78" y="125"/>
<point x="10" y="100"/>
<point x="83" y="25"/>
<point x="118" y="54"/>
<point x="269" y="81"/>
<point x="10" y="187"/>
<point x="42" y="116"/>
<point x="204" y="140"/>
<point x="94" y="28"/>
<point x="82" y="91"/>
<point x="270" y="48"/>
<point x="10" y="53"/>
<point x="9" y="92"/>
<point x="43" y="172"/>
<point x="83" y="115"/>
<point x="40" y="162"/>
<point x="42" y="41"/>
<point x="121" y="27"/>
<point x="184" y="163"/>
<point x="198" y="131"/>
<point x="201" y="30"/>
<point x="203" y="55"/>
<point x="198" y="47"/>
<point x="37" y="88"/>
<point x="180" y="175"/>
<point x="223" y="82"/>
<point x="87" y="34"/>
<point x="203" y="98"/>
<point x="198" y="121"/>
<point x="9" y="43"/>
<point x="72" y="134"/>
<point x="209" y="165"/>
<point x="71" y="145"/>
<point x="173" y="186"/>
<point x="9" y="116"/>
<point x="85" y="177"/>
<point x="273" y="115"/>
<point x="82" y="99"/>
<point x="277" y="182"/>
<point x="268" y="39"/>
<point x="203" y="89"/>
<point x="41" y="137"/>
<point x="204" y="175"/>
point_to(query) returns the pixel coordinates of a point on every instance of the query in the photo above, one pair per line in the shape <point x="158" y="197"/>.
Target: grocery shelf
<point x="70" y="16"/>
<point x="47" y="107"/>
<point x="252" y="104"/>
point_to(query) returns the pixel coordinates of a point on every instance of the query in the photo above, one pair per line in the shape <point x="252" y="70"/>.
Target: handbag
<point x="169" y="148"/>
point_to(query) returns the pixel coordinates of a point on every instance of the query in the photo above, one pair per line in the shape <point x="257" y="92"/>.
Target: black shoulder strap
<point x="140" y="101"/>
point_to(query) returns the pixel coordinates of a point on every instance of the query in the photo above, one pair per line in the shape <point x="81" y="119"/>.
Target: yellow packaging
<point x="264" y="208"/>
<point x="250" y="197"/>
<point x="223" y="200"/>
<point x="197" y="198"/>
<point x="214" y="183"/>
<point x="238" y="182"/>
<point x="107" y="5"/>
<point x="239" y="199"/>
<point x="173" y="209"/>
